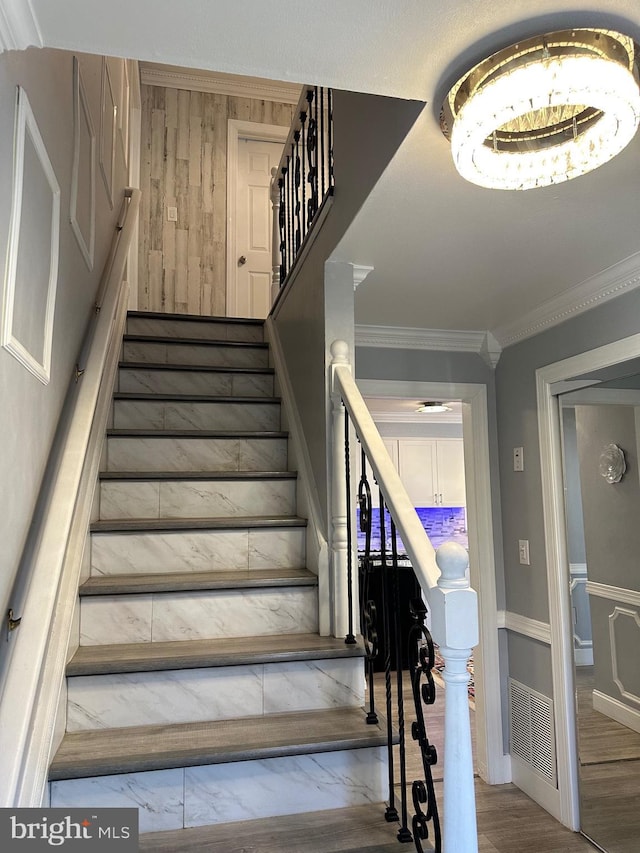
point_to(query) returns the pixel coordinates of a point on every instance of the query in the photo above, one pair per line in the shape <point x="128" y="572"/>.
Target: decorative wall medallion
<point x="612" y="463"/>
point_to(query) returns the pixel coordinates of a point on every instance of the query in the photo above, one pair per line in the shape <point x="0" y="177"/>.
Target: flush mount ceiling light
<point x="433" y="408"/>
<point x="544" y="110"/>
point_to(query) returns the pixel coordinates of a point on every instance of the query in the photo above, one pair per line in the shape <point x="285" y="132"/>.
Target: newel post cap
<point x="340" y="352"/>
<point x="452" y="560"/>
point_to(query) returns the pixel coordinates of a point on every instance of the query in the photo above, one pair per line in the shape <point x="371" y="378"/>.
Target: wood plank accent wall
<point x="184" y="165"/>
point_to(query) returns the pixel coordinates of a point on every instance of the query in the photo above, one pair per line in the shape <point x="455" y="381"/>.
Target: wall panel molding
<point x="524" y="625"/>
<point x="621" y="613"/>
<point x="29" y="231"/>
<point x="81" y="181"/>
<point x="108" y="124"/>
<point x="614" y="593"/>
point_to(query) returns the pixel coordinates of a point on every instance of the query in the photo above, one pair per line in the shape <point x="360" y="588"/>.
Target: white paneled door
<point x="253" y="266"/>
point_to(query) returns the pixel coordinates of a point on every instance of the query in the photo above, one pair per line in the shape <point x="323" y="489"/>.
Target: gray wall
<point x="612" y="538"/>
<point x="318" y="309"/>
<point x="29" y="410"/>
<point x="521" y="493"/>
<point x="575" y="524"/>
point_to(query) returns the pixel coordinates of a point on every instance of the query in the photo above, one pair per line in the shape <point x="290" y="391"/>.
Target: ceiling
<point x="461" y="257"/>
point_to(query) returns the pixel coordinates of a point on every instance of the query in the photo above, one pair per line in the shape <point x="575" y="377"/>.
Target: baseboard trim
<point x="534" y="786"/>
<point x="621" y="713"/>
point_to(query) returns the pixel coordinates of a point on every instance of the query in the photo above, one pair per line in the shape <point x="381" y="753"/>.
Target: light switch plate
<point x="518" y="458"/>
<point x="523" y="552"/>
<point x="172" y="214"/>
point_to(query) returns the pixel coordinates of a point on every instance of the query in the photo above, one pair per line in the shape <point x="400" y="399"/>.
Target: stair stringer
<point x="307" y="493"/>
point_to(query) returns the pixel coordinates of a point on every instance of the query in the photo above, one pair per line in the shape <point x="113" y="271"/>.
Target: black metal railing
<point x="305" y="174"/>
<point x="404" y="642"/>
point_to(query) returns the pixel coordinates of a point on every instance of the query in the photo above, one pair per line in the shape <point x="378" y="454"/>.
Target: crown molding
<point x="606" y="285"/>
<point x="18" y="26"/>
<point x="219" y="83"/>
<point x="403" y="337"/>
<point x="416" y="418"/>
<point x="360" y="272"/>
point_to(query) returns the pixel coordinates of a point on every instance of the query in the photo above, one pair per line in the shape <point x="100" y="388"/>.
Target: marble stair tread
<point x="194" y="433"/>
<point x="193" y="581"/>
<point x="205" y="342"/>
<point x="198" y="475"/>
<point x="105" y="752"/>
<point x="198" y="318"/>
<point x="194" y="654"/>
<point x="202" y="368"/>
<point x="139" y="525"/>
<point x="156" y="396"/>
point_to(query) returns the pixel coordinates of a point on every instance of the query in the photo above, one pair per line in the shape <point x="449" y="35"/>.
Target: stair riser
<point x="196" y="499"/>
<point x="196" y="454"/>
<point x="217" y="331"/>
<point x="139" y="380"/>
<point x="198" y="796"/>
<point x="197" y="615"/>
<point x="170" y="353"/>
<point x="151" y="414"/>
<point x="197" y="550"/>
<point x="217" y="693"/>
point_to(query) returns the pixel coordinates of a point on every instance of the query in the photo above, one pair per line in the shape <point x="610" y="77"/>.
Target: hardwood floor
<point x="508" y="820"/>
<point x="609" y="774"/>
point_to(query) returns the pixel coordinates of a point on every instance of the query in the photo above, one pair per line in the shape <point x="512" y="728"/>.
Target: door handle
<point x="242" y="261"/>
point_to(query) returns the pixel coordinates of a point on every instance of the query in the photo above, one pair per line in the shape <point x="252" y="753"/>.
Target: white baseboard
<point x="534" y="786"/>
<point x="621" y="713"/>
<point x="583" y="657"/>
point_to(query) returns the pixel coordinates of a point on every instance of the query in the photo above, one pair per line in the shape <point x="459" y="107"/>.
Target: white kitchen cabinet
<point x="432" y="470"/>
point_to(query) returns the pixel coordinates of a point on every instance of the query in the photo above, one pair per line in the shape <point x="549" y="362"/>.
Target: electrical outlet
<point x="172" y="214"/>
<point x="523" y="552"/>
<point x="518" y="458"/>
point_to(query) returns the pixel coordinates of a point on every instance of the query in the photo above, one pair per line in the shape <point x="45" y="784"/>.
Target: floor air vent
<point x="532" y="730"/>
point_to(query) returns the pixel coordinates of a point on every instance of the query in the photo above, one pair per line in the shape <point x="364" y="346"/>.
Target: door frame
<point x="550" y="381"/>
<point x="494" y="766"/>
<point x="240" y="129"/>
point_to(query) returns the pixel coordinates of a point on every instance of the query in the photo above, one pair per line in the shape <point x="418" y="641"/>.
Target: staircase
<point x="201" y="692"/>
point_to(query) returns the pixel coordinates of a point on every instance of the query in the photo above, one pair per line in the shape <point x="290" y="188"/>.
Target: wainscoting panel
<point x="108" y="120"/>
<point x="83" y="181"/>
<point x="31" y="276"/>
<point x="184" y="166"/>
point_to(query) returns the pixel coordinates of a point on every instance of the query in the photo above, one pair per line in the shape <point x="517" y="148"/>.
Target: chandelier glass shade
<point x="545" y="110"/>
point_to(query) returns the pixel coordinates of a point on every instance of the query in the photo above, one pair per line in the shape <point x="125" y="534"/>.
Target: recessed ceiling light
<point x="433" y="408"/>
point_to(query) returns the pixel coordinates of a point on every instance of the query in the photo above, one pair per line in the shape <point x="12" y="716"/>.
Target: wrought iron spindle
<point x="330" y="139"/>
<point x="297" y="191"/>
<point x="404" y="835"/>
<point x="303" y="188"/>
<point x="282" y="217"/>
<point x="391" y="813"/>
<point x="421" y="663"/>
<point x="368" y="610"/>
<point x="312" y="154"/>
<point x="322" y="143"/>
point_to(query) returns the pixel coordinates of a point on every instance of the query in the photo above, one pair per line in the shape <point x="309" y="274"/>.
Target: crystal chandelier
<point x="544" y="110"/>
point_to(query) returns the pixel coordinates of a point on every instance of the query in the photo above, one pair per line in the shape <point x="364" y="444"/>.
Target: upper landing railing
<point x="303" y="180"/>
<point x="443" y="592"/>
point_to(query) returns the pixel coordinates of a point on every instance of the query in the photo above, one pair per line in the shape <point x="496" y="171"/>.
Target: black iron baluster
<point x="404" y="835"/>
<point x="421" y="664"/>
<point x="296" y="191"/>
<point x="349" y="639"/>
<point x="322" y="146"/>
<point x="330" y="139"/>
<point x="281" y="222"/>
<point x="368" y="610"/>
<point x="292" y="248"/>
<point x="288" y="220"/>
<point x="391" y="813"/>
<point x="312" y="154"/>
<point x="303" y="123"/>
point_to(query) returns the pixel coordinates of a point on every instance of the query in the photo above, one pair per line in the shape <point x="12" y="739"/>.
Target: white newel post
<point x="454" y="619"/>
<point x="339" y="540"/>
<point x="275" y="235"/>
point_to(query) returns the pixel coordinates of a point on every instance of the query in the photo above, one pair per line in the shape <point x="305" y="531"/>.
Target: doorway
<point x="578" y="706"/>
<point x="253" y="149"/>
<point x="493" y="765"/>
